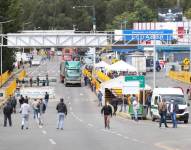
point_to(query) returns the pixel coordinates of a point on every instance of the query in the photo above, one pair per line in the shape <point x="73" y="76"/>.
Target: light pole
<point x="1" y="32"/>
<point x="25" y="23"/>
<point x="94" y="15"/>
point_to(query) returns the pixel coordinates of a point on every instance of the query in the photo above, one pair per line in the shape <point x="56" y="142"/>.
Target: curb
<point x="124" y="115"/>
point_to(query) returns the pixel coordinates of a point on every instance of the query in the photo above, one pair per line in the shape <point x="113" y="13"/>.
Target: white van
<point x="168" y="94"/>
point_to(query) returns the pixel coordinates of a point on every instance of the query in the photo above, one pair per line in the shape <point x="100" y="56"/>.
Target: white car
<point x="36" y="61"/>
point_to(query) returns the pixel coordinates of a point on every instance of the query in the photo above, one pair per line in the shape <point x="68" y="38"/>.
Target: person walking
<point x="172" y="108"/>
<point x="85" y="80"/>
<point x="135" y="108"/>
<point x="35" y="109"/>
<point x="41" y="110"/>
<point x="37" y="80"/>
<point x="162" y="108"/>
<point x="62" y="113"/>
<point x="14" y="103"/>
<point x="7" y="111"/>
<point x="30" y="80"/>
<point x="25" y="109"/>
<point x="21" y="100"/>
<point x="46" y="99"/>
<point x="100" y="95"/>
<point x="107" y="111"/>
<point x="47" y="81"/>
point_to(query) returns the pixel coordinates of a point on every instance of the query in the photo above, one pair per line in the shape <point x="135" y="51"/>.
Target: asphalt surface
<point x="84" y="128"/>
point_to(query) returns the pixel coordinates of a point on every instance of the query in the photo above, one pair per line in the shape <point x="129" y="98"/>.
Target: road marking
<point x="162" y="146"/>
<point x="125" y="137"/>
<point x="90" y="125"/>
<point x="70" y="108"/>
<point x="81" y="94"/>
<point x="135" y="140"/>
<point x="118" y="134"/>
<point x="44" y="132"/>
<point x="40" y="126"/>
<point x="52" y="142"/>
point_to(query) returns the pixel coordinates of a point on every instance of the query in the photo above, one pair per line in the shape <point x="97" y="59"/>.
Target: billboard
<point x="170" y="14"/>
<point x="147" y="35"/>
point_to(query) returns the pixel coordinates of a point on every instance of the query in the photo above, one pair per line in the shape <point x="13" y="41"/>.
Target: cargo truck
<point x="71" y="71"/>
<point x="139" y="62"/>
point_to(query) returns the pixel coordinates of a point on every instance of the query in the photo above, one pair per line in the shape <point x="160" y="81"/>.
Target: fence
<point x="180" y="76"/>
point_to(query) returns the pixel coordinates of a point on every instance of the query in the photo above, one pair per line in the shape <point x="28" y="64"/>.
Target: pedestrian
<point x="125" y="104"/>
<point x="41" y="110"/>
<point x="172" y="108"/>
<point x="107" y="111"/>
<point x="47" y="81"/>
<point x="30" y="80"/>
<point x="148" y="102"/>
<point x="37" y="80"/>
<point x="21" y="100"/>
<point x="7" y="111"/>
<point x="162" y="108"/>
<point x="135" y="108"/>
<point x="24" y="110"/>
<point x="46" y="99"/>
<point x="30" y="62"/>
<point x="85" y="80"/>
<point x="26" y="99"/>
<point x="14" y="103"/>
<point x="62" y="112"/>
<point x="35" y="109"/>
<point x="114" y="104"/>
<point x="100" y="95"/>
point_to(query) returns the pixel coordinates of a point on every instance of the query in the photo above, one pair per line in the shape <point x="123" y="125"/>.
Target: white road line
<point x="125" y="137"/>
<point x="118" y="134"/>
<point x="81" y="94"/>
<point x="52" y="141"/>
<point x="134" y="140"/>
<point x="44" y="132"/>
<point x="90" y="125"/>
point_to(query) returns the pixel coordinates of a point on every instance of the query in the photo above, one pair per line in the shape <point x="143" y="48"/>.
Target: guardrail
<point x="180" y="76"/>
<point x="4" y="78"/>
<point x="21" y="75"/>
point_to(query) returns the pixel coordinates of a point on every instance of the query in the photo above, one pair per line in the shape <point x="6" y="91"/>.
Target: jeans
<point x="60" y="123"/>
<point x="135" y="114"/>
<point x="9" y="119"/>
<point x="46" y="102"/>
<point x="163" y="119"/>
<point x="173" y="117"/>
<point x="107" y="121"/>
<point x="25" y="119"/>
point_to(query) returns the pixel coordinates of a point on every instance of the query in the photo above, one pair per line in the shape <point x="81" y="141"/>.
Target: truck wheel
<point x="185" y="121"/>
<point x="152" y="117"/>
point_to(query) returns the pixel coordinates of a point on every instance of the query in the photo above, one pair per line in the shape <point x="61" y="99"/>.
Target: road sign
<point x="132" y="87"/>
<point x="186" y="61"/>
<point x="141" y="79"/>
<point x="147" y="35"/>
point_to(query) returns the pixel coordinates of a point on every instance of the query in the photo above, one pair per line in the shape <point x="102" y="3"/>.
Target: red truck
<point x="68" y="54"/>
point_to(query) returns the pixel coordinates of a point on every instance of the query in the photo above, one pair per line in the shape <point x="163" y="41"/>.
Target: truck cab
<point x="169" y="94"/>
<point x="72" y="72"/>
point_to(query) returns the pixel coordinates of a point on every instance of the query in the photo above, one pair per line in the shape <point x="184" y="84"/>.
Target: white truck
<point x="170" y="94"/>
<point x="139" y="62"/>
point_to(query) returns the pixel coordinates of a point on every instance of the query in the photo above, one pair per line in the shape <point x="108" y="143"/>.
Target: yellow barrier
<point x="22" y="74"/>
<point x="101" y="76"/>
<point x="180" y="76"/>
<point x="10" y="89"/>
<point x="4" y="77"/>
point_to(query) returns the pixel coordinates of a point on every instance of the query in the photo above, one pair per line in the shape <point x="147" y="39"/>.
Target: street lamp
<point x="25" y="23"/>
<point x="1" y="32"/>
<point x="94" y="17"/>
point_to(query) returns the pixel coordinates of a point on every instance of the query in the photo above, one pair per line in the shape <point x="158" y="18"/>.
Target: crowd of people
<point x="37" y="106"/>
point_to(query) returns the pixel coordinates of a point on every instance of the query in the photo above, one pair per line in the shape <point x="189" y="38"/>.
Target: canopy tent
<point x="102" y="64"/>
<point x="116" y="83"/>
<point x="122" y="66"/>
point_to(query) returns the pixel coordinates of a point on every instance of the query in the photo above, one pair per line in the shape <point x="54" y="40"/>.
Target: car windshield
<point x="73" y="71"/>
<point x="179" y="99"/>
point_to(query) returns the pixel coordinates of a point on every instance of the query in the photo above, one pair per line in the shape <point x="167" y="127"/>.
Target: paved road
<point x="84" y="129"/>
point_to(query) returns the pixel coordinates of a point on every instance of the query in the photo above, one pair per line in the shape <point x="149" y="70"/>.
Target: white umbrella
<point x="122" y="66"/>
<point x="102" y="64"/>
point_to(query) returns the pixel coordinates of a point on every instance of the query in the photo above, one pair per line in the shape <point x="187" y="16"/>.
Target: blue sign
<point x="147" y="35"/>
<point x="173" y="48"/>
